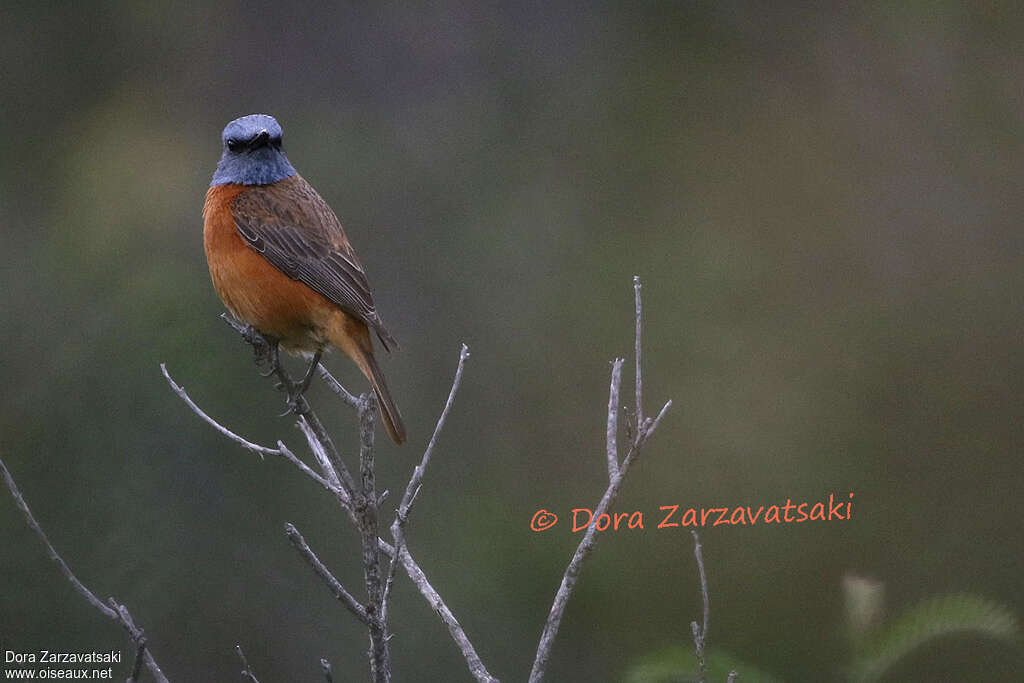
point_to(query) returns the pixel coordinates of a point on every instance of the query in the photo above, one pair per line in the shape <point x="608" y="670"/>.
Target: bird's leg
<point x="272" y="358"/>
<point x="296" y="390"/>
<point x="264" y="348"/>
<point x="304" y="384"/>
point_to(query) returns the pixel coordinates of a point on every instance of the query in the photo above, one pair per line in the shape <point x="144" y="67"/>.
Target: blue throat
<point x="262" y="166"/>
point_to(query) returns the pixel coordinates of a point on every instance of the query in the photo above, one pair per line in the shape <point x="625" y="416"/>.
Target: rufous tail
<point x="353" y="337"/>
<point x="388" y="409"/>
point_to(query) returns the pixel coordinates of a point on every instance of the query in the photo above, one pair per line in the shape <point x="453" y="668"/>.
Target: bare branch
<point x="645" y="428"/>
<point x="65" y="570"/>
<point x="700" y="633"/>
<point x="247" y="673"/>
<point x="571" y="576"/>
<point x="325" y="452"/>
<point x="281" y="450"/>
<point x="114" y="610"/>
<point x="657" y="420"/>
<point x="732" y="677"/>
<point x="324" y="462"/>
<point x="416" y="480"/>
<point x="611" y="440"/>
<point x="140" y="652"/>
<point x="335" y="386"/>
<point x="413" y="570"/>
<point x="137" y="635"/>
<point x="390" y="580"/>
<point x="180" y="391"/>
<point x="419" y="579"/>
<point x="326" y="666"/>
<point x="417" y="476"/>
<point x="305" y="413"/>
<point x="324" y="573"/>
<point x="366" y="513"/>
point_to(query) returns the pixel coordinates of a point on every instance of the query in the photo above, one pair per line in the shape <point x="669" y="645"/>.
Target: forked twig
<point x="281" y="450"/>
<point x="433" y="598"/>
<point x="412" y="489"/>
<point x="335" y="478"/>
<point x="645" y="427"/>
<point x="247" y="673"/>
<point x="114" y="610"/>
<point x="140" y="655"/>
<point x="343" y="596"/>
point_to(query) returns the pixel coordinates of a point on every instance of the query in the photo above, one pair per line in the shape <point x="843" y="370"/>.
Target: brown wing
<point x="293" y="228"/>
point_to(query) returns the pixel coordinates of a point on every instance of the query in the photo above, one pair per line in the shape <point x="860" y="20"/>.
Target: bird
<point x="282" y="264"/>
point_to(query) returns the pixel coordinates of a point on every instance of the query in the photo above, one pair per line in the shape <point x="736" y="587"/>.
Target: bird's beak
<point x="261" y="139"/>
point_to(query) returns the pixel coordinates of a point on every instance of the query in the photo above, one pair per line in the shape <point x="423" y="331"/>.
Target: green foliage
<point x="876" y="651"/>
<point x="930" y="619"/>
<point x="677" y="664"/>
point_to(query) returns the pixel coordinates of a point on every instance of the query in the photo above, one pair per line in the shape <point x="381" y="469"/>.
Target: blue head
<point x="252" y="153"/>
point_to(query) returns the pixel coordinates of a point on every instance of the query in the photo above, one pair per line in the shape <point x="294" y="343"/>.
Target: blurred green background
<point x="824" y="206"/>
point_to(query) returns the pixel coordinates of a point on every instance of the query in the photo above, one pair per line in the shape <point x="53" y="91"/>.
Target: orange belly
<point x="253" y="290"/>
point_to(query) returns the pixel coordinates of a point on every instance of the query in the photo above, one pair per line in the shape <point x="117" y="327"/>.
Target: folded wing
<point x="298" y="233"/>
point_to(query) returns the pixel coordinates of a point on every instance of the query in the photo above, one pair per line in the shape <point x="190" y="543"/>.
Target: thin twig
<point x="612" y="436"/>
<point x="326" y="666"/>
<point x="140" y="652"/>
<point x="366" y="511"/>
<point x="700" y="633"/>
<point x="433" y="598"/>
<point x="246" y="669"/>
<point x="389" y="582"/>
<point x="416" y="480"/>
<point x="180" y="391"/>
<point x="61" y="564"/>
<point x="343" y="596"/>
<point x="281" y="450"/>
<point x="305" y="412"/>
<point x="336" y="386"/>
<point x="331" y="475"/>
<point x="732" y="677"/>
<point x="417" y="476"/>
<point x="653" y="424"/>
<point x="136" y="634"/>
<point x="113" y="611"/>
<point x="645" y="428"/>
<point x="572" y="571"/>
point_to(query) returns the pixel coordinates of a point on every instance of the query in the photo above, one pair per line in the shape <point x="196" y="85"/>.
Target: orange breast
<point x="255" y="291"/>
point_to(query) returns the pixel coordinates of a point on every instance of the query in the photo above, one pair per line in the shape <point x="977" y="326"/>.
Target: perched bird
<point x="281" y="262"/>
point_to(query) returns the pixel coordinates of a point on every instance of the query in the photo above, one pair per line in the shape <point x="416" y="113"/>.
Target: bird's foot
<point x="296" y="404"/>
<point x="296" y="391"/>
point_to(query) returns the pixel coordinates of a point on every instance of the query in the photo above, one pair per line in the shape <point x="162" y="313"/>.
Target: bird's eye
<point x="234" y="145"/>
